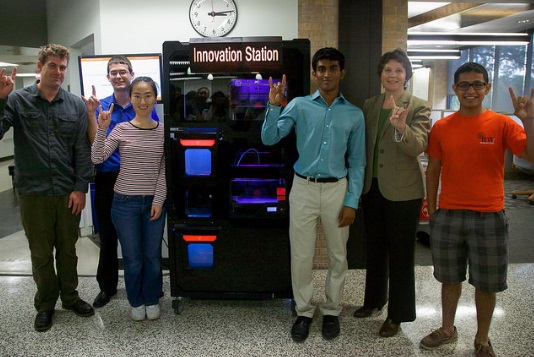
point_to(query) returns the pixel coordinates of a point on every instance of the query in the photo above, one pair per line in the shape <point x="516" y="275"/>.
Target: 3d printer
<point x="228" y="213"/>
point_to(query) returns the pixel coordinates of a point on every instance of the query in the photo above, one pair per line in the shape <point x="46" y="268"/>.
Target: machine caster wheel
<point x="178" y="305"/>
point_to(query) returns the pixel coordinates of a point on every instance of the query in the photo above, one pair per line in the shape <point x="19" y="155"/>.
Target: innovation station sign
<point x="238" y="54"/>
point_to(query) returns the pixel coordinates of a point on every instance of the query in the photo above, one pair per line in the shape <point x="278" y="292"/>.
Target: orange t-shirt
<point x="471" y="150"/>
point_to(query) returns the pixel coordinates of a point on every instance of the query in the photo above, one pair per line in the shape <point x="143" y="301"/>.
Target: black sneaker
<point x="330" y="327"/>
<point x="301" y="328"/>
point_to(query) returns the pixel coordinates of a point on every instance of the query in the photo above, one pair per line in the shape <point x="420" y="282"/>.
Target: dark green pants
<point x="48" y="224"/>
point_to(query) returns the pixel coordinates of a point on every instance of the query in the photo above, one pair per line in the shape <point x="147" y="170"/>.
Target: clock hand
<point x="220" y="13"/>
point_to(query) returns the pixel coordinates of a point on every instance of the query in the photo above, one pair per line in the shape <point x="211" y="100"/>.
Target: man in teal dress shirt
<point x="330" y="138"/>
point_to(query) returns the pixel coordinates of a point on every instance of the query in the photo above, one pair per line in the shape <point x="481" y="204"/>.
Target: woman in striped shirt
<point x="138" y="211"/>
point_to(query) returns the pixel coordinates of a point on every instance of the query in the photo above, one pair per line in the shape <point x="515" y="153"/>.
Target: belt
<point x="317" y="180"/>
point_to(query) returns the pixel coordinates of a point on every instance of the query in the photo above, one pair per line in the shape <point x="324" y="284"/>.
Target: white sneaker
<point x="153" y="312"/>
<point x="138" y="313"/>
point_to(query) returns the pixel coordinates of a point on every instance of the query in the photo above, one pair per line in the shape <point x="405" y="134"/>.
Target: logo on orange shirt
<point x="486" y="140"/>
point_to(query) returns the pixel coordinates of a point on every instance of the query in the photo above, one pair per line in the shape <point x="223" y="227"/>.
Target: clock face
<point x="213" y="18"/>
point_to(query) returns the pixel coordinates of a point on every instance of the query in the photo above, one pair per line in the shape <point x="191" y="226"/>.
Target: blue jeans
<point x="140" y="241"/>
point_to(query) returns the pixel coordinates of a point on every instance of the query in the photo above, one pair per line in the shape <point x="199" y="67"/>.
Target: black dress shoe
<point x="43" y="320"/>
<point x="301" y="328"/>
<point x="102" y="299"/>
<point x="330" y="327"/>
<point x="389" y="328"/>
<point x="80" y="308"/>
<point x="366" y="311"/>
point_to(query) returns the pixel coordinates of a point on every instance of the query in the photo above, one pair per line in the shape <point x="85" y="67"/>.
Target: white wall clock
<point x="213" y="18"/>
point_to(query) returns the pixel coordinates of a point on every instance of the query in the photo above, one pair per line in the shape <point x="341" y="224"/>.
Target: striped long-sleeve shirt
<point x="142" y="167"/>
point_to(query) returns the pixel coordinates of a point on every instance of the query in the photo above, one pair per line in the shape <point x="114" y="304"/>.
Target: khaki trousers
<point x="308" y="202"/>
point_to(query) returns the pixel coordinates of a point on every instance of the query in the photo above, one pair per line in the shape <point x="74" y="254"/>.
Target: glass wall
<point x="507" y="66"/>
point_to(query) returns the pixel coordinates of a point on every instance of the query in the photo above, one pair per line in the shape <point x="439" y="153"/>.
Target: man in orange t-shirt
<point x="470" y="227"/>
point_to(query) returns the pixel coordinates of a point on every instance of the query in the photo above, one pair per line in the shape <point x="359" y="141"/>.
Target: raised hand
<point x="523" y="105"/>
<point x="398" y="115"/>
<point x="7" y="83"/>
<point x="104" y="117"/>
<point x="91" y="103"/>
<point x="276" y="91"/>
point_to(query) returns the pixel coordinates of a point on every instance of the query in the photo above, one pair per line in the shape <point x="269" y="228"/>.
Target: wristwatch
<point x="213" y="18"/>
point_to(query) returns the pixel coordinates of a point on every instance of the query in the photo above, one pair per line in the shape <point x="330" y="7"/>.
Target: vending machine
<point x="228" y="210"/>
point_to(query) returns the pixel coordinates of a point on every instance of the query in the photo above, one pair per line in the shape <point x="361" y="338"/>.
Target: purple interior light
<point x="261" y="165"/>
<point x="254" y="200"/>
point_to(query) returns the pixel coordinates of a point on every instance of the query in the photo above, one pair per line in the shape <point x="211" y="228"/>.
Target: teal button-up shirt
<point x="330" y="139"/>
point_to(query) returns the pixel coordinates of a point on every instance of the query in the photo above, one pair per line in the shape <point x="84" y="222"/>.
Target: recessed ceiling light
<point x="467" y="39"/>
<point x="6" y="64"/>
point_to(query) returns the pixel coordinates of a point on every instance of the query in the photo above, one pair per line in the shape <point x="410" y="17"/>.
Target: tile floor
<point x="250" y="328"/>
<point x="257" y="328"/>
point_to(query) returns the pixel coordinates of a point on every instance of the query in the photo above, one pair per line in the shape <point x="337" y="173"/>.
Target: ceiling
<point x="470" y="16"/>
<point x="423" y="16"/>
<point x="462" y="17"/>
<point x="24" y="57"/>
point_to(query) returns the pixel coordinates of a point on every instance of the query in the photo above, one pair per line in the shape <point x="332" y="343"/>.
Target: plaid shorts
<point x="479" y="239"/>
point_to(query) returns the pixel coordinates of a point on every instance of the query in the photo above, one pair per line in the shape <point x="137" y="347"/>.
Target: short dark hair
<point x="471" y="67"/>
<point x="148" y="80"/>
<point x="328" y="53"/>
<point x="120" y="60"/>
<point x="53" y="50"/>
<point x="399" y="56"/>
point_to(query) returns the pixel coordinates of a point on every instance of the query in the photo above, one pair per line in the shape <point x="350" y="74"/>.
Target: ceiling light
<point x="433" y="54"/>
<point x="6" y="64"/>
<point x="467" y="39"/>
<point x="26" y="74"/>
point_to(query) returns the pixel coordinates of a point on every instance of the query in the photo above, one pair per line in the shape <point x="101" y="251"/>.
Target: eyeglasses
<point x="477" y="85"/>
<point x="120" y="73"/>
